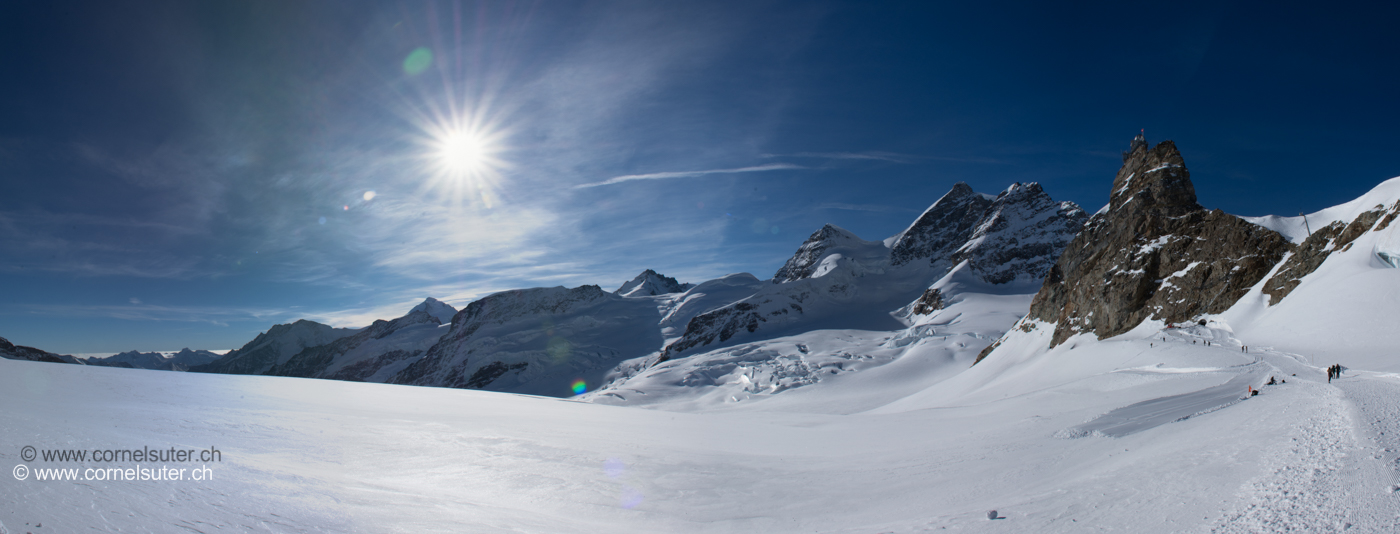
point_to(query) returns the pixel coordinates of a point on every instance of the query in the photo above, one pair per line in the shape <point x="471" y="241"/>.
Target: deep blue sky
<point x="189" y="173"/>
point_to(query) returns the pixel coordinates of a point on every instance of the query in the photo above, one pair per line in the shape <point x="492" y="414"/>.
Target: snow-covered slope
<point x="1345" y="309"/>
<point x="1025" y="434"/>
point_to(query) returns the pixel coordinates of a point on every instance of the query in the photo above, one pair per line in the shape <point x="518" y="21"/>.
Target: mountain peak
<point x="651" y="283"/>
<point x="1154" y="179"/>
<point x="1155" y="253"/>
<point x="436" y="308"/>
<point x="803" y="263"/>
<point x="942" y="228"/>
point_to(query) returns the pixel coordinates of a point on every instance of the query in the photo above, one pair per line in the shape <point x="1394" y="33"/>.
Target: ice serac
<point x="274" y="347"/>
<point x="1154" y="253"/>
<point x="376" y="351"/>
<point x="538" y="341"/>
<point x="651" y="283"/>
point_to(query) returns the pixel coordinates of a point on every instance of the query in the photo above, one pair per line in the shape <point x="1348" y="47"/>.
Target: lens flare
<point x="417" y="61"/>
<point x="579" y="387"/>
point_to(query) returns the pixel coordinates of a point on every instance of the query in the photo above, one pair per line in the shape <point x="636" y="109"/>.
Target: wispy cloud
<point x="691" y="174"/>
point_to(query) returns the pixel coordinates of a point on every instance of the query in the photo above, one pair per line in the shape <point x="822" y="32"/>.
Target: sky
<point x="187" y="174"/>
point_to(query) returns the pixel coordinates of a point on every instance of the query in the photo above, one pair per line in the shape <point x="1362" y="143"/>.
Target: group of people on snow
<point x="1334" y="371"/>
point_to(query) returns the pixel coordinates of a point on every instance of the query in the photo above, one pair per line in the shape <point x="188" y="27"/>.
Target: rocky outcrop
<point x="931" y="301"/>
<point x="1153" y="253"/>
<point x="1320" y="245"/>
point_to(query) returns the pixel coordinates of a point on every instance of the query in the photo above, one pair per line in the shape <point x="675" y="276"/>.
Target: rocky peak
<point x="1020" y="235"/>
<point x="804" y="262"/>
<point x="1155" y="254"/>
<point x="942" y="228"/>
<point x="1155" y="179"/>
<point x="651" y="283"/>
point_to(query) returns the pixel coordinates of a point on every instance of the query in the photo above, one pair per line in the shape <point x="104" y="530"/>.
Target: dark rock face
<point x="19" y="352"/>
<point x="1017" y="234"/>
<point x="1155" y="253"/>
<point x="1320" y="245"/>
<point x="488" y="373"/>
<point x="1020" y="235"/>
<point x="943" y="228"/>
<point x="719" y="325"/>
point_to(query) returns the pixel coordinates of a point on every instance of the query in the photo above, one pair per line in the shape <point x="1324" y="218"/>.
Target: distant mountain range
<point x="1014" y="269"/>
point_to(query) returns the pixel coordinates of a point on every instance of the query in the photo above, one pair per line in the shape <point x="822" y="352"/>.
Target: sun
<point x="463" y="152"/>
<point x="465" y="160"/>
